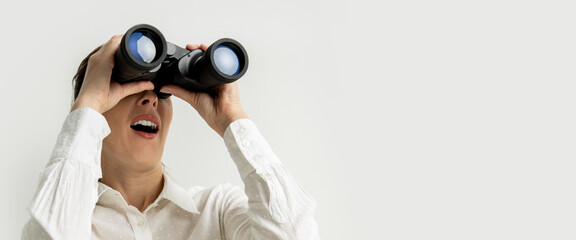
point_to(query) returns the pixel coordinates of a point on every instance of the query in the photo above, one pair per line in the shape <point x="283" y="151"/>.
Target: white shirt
<point x="70" y="203"/>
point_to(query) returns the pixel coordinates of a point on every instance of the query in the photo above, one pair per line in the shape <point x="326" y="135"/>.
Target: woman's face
<point x="139" y="126"/>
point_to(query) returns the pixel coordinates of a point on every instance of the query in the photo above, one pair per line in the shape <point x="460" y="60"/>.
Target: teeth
<point x="145" y="123"/>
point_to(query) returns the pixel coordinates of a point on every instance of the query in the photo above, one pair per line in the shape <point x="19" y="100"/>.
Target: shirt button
<point x="246" y="143"/>
<point x="240" y="130"/>
<point x="141" y="224"/>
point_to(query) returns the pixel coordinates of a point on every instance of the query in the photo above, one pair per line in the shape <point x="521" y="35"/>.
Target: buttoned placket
<point x="139" y="223"/>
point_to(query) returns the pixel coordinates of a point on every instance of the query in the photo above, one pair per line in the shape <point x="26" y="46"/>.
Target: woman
<point x="105" y="178"/>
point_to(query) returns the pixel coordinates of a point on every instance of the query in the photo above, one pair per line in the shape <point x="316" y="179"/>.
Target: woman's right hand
<point x="98" y="91"/>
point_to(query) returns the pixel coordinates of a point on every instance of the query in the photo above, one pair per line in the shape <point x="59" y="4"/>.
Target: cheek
<point x="166" y="111"/>
<point x="114" y="120"/>
<point x="117" y="115"/>
<point x="117" y="121"/>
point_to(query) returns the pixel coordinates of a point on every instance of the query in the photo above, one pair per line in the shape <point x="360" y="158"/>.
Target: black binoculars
<point x="144" y="55"/>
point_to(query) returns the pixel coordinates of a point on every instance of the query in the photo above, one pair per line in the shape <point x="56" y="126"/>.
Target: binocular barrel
<point x="145" y="55"/>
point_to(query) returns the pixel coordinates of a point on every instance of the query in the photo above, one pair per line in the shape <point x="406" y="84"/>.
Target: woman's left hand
<point x="218" y="109"/>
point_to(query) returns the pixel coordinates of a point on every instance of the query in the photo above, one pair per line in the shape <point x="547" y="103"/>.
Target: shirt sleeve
<point x="277" y="207"/>
<point x="67" y="193"/>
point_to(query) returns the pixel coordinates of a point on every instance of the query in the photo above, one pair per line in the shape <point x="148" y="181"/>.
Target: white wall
<point x="404" y="119"/>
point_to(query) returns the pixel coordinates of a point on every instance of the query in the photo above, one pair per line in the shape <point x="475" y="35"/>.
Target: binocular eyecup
<point x="144" y="55"/>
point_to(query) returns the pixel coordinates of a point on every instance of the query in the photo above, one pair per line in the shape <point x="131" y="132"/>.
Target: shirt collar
<point x="171" y="192"/>
<point x="178" y="195"/>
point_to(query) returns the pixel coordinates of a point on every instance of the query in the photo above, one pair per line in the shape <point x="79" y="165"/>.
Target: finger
<point x="112" y="45"/>
<point x="179" y="92"/>
<point x="136" y="87"/>
<point x="202" y="47"/>
<point x="191" y="47"/>
<point x="106" y="52"/>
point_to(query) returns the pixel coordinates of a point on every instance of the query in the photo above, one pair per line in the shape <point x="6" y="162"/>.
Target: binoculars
<point x="144" y="55"/>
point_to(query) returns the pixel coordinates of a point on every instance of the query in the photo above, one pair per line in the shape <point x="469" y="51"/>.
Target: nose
<point x="149" y="97"/>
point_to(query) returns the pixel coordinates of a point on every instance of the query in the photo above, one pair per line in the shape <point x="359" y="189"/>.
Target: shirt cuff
<point x="247" y="147"/>
<point x="81" y="136"/>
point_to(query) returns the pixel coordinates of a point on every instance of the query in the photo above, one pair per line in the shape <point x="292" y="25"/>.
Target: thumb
<point x="136" y="87"/>
<point x="181" y="93"/>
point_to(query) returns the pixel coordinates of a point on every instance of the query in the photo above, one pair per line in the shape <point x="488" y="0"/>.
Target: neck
<point x="139" y="188"/>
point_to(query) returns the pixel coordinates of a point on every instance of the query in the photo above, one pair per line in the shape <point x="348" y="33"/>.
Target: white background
<point x="404" y="119"/>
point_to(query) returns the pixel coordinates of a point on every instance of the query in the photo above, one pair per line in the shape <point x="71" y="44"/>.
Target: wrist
<point x="225" y="122"/>
<point x="80" y="103"/>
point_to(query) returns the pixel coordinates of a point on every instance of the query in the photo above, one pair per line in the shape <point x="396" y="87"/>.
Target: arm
<point x="67" y="193"/>
<point x="276" y="208"/>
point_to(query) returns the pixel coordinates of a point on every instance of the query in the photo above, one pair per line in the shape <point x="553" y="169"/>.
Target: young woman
<point x="105" y="178"/>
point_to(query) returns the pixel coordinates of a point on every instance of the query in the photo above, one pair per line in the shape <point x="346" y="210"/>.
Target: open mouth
<point x="145" y="126"/>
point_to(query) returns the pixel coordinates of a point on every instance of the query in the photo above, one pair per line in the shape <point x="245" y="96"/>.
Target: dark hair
<point x="81" y="72"/>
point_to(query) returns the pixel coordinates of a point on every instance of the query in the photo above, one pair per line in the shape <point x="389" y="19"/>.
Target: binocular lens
<point x="144" y="55"/>
<point x="226" y="60"/>
<point x="142" y="47"/>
